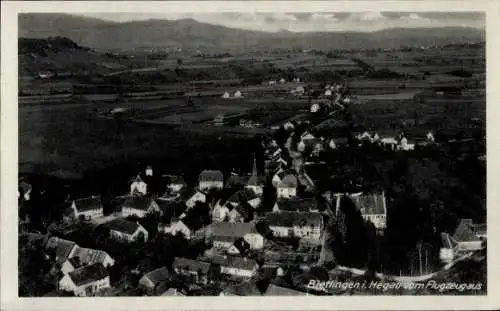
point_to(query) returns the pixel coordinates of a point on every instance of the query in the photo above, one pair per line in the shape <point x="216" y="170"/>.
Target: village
<point x="217" y="238"/>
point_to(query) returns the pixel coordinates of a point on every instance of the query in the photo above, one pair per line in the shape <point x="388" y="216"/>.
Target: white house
<point x="88" y="208"/>
<point x="282" y="80"/>
<point x="315" y="107"/>
<point x="209" y="179"/>
<point x="405" y="145"/>
<point x="224" y="234"/>
<point x="125" y="230"/>
<point x="308" y="225"/>
<point x="149" y="171"/>
<point x="139" y="206"/>
<point x="236" y="266"/>
<point x="287" y="188"/>
<point x="237" y="94"/>
<point x="220" y="212"/>
<point x="328" y="93"/>
<point x="178" y="226"/>
<point x="85" y="281"/>
<point x="225" y="95"/>
<point x="175" y="183"/>
<point x="138" y="186"/>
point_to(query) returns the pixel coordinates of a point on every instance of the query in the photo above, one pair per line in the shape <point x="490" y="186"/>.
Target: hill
<point x="190" y="34"/>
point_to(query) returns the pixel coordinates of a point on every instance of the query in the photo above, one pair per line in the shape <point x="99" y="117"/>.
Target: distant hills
<point x="190" y="34"/>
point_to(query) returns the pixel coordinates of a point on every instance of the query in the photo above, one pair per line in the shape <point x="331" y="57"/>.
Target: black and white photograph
<point x="251" y="153"/>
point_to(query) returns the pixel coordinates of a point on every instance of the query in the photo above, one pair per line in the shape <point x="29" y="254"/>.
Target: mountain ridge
<point x="191" y="34"/>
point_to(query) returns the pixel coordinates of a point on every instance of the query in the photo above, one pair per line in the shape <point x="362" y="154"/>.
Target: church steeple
<point x="254" y="169"/>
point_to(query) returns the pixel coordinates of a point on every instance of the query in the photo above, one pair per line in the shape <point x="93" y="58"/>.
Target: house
<point x="178" y="226"/>
<point x="126" y="230"/>
<point x="294" y="205"/>
<point x="139" y="206"/>
<point x="224" y="234"/>
<point x="193" y="196"/>
<point x="173" y="292"/>
<point x="154" y="278"/>
<point x="220" y="212"/>
<point x="372" y="207"/>
<point x="236" y="181"/>
<point x="149" y="171"/>
<point x="243" y="196"/>
<point x="237" y="94"/>
<point x="255" y="182"/>
<point x="246" y="288"/>
<point x="87" y="208"/>
<point x="328" y="93"/>
<point x="209" y="179"/>
<point x="86" y="256"/>
<point x="239" y="247"/>
<point x="85" y="281"/>
<point x="236" y="266"/>
<point x="468" y="237"/>
<point x="405" y="145"/>
<point x="63" y="249"/>
<point x="241" y="213"/>
<point x="175" y="183"/>
<point x="287" y="188"/>
<point x="390" y="143"/>
<point x="282" y="80"/>
<point x="225" y="95"/>
<point x="293" y="224"/>
<point x="138" y="186"/>
<point x="198" y="272"/>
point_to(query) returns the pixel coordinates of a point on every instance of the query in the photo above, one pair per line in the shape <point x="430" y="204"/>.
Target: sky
<point x="306" y="22"/>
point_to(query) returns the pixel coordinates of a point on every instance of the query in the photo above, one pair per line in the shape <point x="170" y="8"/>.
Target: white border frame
<point x="9" y="152"/>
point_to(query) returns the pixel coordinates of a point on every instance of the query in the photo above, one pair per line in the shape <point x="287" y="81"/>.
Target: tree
<point x="34" y="269"/>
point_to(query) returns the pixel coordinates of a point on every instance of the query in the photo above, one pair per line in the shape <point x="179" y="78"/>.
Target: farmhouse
<point x="372" y="207"/>
<point x="85" y="281"/>
<point x="138" y="186"/>
<point x="293" y="224"/>
<point x="224" y="234"/>
<point x="139" y="206"/>
<point x="86" y="256"/>
<point x="193" y="196"/>
<point x="209" y="179"/>
<point x="198" y="272"/>
<point x="63" y="249"/>
<point x="125" y="230"/>
<point x="87" y="208"/>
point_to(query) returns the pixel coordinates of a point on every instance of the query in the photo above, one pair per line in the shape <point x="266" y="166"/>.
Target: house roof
<point x="234" y="262"/>
<point x="290" y="219"/>
<point x="275" y="290"/>
<point x="62" y="247"/>
<point x="235" y="180"/>
<point x="245" y="210"/>
<point x="88" y="274"/>
<point x="227" y="229"/>
<point x="88" y="204"/>
<point x="138" y="203"/>
<point x="157" y="276"/>
<point x="89" y="256"/>
<point x="369" y="204"/>
<point x="241" y="245"/>
<point x="289" y="181"/>
<point x="243" y="196"/>
<point x="191" y="265"/>
<point x="123" y="225"/>
<point x="248" y="288"/>
<point x="175" y="180"/>
<point x="209" y="175"/>
<point x="298" y="205"/>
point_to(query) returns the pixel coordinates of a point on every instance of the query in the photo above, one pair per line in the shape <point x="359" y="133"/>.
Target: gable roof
<point x="243" y="196"/>
<point x="88" y="204"/>
<point x="290" y="219"/>
<point x="88" y="274"/>
<point x="157" y="276"/>
<point x="191" y="265"/>
<point x="229" y="229"/>
<point x="234" y="262"/>
<point x="123" y="225"/>
<point x="211" y="175"/>
<point x="369" y="204"/>
<point x="241" y="245"/>
<point x="175" y="180"/>
<point x="235" y="180"/>
<point x="138" y="203"/>
<point x="245" y="210"/>
<point x="62" y="247"/>
<point x="90" y="256"/>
